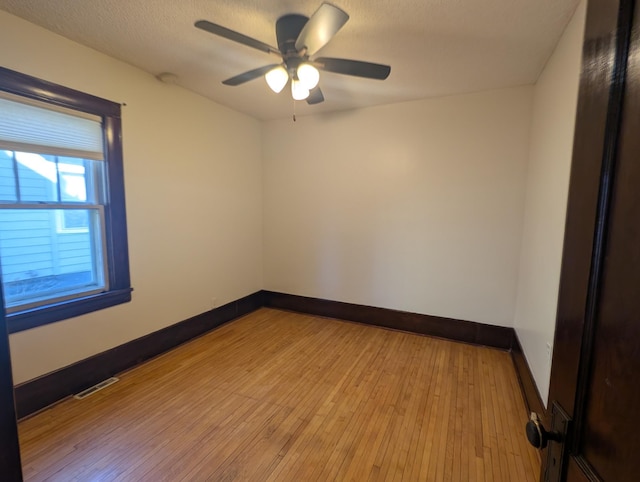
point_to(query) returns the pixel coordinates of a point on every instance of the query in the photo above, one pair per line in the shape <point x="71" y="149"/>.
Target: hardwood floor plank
<point x="277" y="396"/>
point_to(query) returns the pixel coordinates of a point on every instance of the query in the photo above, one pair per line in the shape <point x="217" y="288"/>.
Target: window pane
<point x="7" y="177"/>
<point x="37" y="177"/>
<point x="42" y="262"/>
<point x="73" y="179"/>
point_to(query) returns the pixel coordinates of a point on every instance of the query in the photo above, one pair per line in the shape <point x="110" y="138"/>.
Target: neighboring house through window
<point x="63" y="245"/>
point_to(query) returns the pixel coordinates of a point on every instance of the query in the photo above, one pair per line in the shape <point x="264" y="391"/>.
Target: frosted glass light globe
<point x="277" y="78"/>
<point x="308" y="75"/>
<point x="299" y="91"/>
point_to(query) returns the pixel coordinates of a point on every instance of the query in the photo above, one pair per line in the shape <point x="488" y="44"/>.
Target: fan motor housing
<point x="288" y="28"/>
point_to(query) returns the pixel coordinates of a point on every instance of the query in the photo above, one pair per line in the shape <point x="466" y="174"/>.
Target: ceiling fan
<point x="299" y="38"/>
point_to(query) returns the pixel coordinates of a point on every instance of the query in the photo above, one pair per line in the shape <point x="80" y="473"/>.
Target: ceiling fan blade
<point x="353" y="67"/>
<point x="320" y="28"/>
<point x="250" y="75"/>
<point x="235" y="36"/>
<point x="315" y="96"/>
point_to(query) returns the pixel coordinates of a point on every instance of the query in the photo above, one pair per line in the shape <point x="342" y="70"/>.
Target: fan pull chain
<point x="294" y="110"/>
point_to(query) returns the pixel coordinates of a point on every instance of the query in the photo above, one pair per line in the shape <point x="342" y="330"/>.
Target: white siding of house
<point x="74" y="252"/>
<point x="25" y="243"/>
<point x="7" y="185"/>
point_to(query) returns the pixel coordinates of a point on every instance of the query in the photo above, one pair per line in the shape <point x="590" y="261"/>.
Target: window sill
<point x="43" y="315"/>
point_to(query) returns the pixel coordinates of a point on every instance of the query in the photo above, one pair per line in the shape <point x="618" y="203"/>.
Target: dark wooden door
<point x="10" y="467"/>
<point x="595" y="376"/>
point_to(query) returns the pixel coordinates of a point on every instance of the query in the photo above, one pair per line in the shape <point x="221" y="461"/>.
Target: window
<point x="72" y="221"/>
<point x="63" y="242"/>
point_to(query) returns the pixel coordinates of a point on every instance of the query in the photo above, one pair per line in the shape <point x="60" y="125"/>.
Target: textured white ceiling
<point x="434" y="47"/>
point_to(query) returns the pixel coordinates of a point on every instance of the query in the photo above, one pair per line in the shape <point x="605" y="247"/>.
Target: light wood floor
<point x="278" y="396"/>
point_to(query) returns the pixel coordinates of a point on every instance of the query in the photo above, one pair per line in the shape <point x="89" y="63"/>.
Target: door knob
<point x="537" y="434"/>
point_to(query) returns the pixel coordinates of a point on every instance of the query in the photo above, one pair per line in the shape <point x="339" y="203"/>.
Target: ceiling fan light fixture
<point x="299" y="38"/>
<point x="277" y="78"/>
<point x="298" y="91"/>
<point x="308" y="75"/>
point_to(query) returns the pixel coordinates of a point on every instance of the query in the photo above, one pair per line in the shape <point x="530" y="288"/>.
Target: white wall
<point x="554" y="109"/>
<point x="414" y="206"/>
<point x="193" y="187"/>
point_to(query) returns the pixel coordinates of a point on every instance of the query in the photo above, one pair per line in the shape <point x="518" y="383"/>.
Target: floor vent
<point x="95" y="388"/>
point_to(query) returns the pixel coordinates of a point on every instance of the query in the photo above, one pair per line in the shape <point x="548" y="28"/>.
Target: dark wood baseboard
<point x="528" y="386"/>
<point x="449" y="328"/>
<point x="41" y="392"/>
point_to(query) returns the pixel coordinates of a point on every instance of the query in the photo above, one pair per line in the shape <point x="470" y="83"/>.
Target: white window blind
<point x="27" y="126"/>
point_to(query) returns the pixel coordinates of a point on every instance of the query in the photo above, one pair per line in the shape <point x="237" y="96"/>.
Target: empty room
<point x="312" y="241"/>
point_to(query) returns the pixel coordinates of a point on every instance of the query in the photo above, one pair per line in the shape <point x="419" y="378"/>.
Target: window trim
<point x="116" y="252"/>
